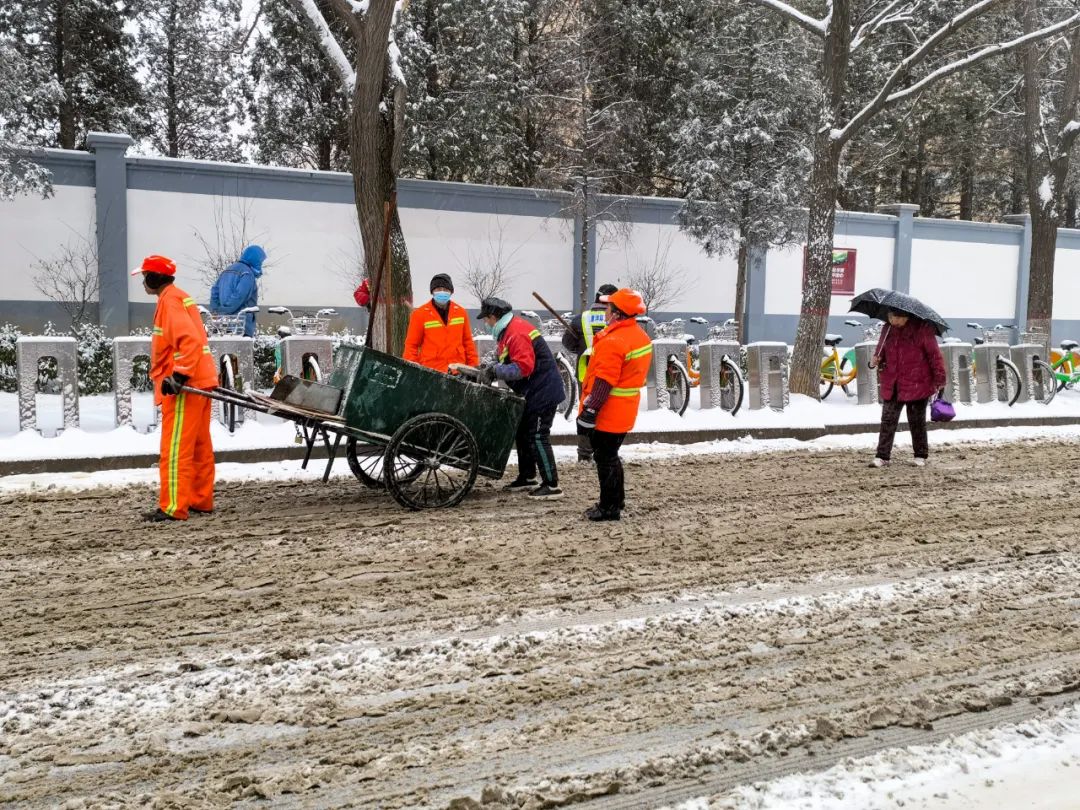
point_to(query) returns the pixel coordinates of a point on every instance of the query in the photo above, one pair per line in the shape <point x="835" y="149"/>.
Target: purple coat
<point x="910" y="365"/>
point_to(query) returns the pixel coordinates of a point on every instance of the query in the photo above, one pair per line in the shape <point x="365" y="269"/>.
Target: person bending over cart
<point x="179" y="356"/>
<point x="439" y="331"/>
<point x="528" y="367"/>
<point x="620" y="362"/>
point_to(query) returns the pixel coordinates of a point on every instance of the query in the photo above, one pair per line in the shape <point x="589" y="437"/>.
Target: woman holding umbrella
<point x="910" y="366"/>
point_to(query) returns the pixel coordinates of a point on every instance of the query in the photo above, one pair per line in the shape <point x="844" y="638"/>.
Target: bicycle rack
<point x="1024" y="356"/>
<point x="866" y="381"/>
<point x="986" y="356"/>
<point x="125" y="351"/>
<point x="657" y="396"/>
<point x="767" y="373"/>
<point x="243" y="349"/>
<point x="959" y="372"/>
<point x="296" y="347"/>
<point x="711" y="353"/>
<point x="29" y="351"/>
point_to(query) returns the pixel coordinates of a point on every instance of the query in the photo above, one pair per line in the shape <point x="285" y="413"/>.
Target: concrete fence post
<point x="29" y="351"/>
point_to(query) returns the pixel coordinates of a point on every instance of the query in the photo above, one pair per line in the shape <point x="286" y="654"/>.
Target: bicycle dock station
<point x="1030" y="360"/>
<point x="29" y="352"/>
<point x="767" y="372"/>
<point x="125" y="351"/>
<point x="866" y="381"/>
<point x="959" y="372"/>
<point x="239" y="353"/>
<point x="298" y="348"/>
<point x="986" y="357"/>
<point x="713" y="393"/>
<point x="658" y="394"/>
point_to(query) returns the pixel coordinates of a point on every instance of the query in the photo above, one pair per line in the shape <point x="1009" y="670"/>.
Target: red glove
<point x="362" y="294"/>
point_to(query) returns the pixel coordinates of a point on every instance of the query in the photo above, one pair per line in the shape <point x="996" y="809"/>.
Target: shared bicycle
<point x="228" y="363"/>
<point x="302" y="325"/>
<point x="837" y="370"/>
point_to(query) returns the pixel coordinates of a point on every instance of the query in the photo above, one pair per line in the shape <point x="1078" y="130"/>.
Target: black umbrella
<point x="877" y="302"/>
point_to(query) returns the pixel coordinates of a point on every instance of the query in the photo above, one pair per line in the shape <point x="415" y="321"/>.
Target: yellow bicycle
<point x="837" y="370"/>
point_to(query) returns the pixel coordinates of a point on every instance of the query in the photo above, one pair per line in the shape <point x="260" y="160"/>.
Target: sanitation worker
<point x="622" y="354"/>
<point x="528" y="367"/>
<point x="578" y="340"/>
<point x="180" y="355"/>
<point x="439" y="331"/>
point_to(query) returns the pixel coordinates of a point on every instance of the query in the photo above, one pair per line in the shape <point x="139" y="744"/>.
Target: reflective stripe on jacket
<point x="622" y="356"/>
<point x="435" y="344"/>
<point x="179" y="343"/>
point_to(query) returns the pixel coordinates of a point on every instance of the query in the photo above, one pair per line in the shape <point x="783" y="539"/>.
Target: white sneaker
<point x="878" y="462"/>
<point x="918" y="462"/>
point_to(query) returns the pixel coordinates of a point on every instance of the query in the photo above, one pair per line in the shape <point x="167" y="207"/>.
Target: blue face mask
<point x="441" y="298"/>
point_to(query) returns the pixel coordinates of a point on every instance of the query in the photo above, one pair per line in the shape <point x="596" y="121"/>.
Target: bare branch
<point x="70" y="279"/>
<point x="882" y="19"/>
<point x="812" y="25"/>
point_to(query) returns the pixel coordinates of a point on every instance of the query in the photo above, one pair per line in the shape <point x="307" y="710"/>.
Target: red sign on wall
<point x="843" y="270"/>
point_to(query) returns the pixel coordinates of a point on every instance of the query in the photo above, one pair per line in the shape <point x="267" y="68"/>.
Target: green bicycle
<point x="1066" y="364"/>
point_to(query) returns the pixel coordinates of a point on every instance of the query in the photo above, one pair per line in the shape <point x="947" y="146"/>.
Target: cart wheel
<point x="366" y="463"/>
<point x="431" y="461"/>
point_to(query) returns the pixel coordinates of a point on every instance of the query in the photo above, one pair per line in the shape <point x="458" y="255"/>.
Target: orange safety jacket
<point x="435" y="344"/>
<point x="621" y="357"/>
<point x="179" y="343"/>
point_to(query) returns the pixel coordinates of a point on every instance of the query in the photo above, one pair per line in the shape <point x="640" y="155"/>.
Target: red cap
<point x="156" y="264"/>
<point x="626" y="300"/>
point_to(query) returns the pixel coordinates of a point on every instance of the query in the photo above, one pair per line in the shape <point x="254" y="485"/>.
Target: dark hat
<point x="441" y="281"/>
<point x="494" y="307"/>
<point x="605" y="289"/>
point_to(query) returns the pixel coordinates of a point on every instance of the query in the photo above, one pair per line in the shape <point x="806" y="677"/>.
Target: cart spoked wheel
<point x="431" y="461"/>
<point x="366" y="463"/>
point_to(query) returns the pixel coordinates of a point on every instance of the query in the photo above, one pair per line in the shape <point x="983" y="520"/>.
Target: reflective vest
<point x="179" y="343"/>
<point x="622" y="357"/>
<point x="435" y="344"/>
<point x="593" y="321"/>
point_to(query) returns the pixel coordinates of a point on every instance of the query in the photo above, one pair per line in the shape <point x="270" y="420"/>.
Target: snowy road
<point x="312" y="644"/>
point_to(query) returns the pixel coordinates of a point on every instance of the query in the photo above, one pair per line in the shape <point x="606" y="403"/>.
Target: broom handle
<point x="547" y="306"/>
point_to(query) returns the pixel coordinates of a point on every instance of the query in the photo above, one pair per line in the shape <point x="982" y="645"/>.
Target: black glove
<point x="586" y="421"/>
<point x="172" y="385"/>
<point x="486" y="376"/>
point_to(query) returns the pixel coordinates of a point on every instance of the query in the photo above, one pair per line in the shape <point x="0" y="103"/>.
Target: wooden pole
<point x="380" y="269"/>
<point x="547" y="306"/>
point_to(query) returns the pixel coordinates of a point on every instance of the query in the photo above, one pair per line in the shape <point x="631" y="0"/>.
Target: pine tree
<point x="188" y="51"/>
<point x="19" y="82"/>
<point x="299" y="111"/>
<point x="81" y="45"/>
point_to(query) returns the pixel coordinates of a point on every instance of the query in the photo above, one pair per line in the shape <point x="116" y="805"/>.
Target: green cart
<point x="422" y="435"/>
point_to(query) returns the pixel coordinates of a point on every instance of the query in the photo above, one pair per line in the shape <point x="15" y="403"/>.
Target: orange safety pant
<point x="187" y="457"/>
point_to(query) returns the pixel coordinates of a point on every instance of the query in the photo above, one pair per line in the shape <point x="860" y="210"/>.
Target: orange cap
<point x="625" y="300"/>
<point x="156" y="264"/>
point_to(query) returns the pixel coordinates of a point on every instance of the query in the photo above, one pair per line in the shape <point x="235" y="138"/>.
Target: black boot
<point x="596" y="513"/>
<point x="158" y="516"/>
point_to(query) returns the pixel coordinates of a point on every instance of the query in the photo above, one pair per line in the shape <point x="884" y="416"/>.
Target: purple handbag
<point x="942" y="411"/>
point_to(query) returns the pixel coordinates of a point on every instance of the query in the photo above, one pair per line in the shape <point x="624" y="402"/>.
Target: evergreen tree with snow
<point x="83" y="46"/>
<point x="20" y="84"/>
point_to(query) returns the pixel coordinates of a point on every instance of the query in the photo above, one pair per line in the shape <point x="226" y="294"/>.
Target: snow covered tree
<point x="743" y="150"/>
<point x="1051" y="124"/>
<point x="911" y="61"/>
<point x="19" y="84"/>
<point x="299" y="109"/>
<point x="83" y="46"/>
<point x="191" y="65"/>
<point x="376" y="87"/>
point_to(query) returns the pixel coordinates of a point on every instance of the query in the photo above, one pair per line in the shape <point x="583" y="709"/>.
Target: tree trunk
<point x="1040" y="302"/>
<point x="172" y="104"/>
<point x="817" y="283"/>
<point x="1070" y="209"/>
<point x="67" y="105"/>
<point x="374" y="145"/>
<point x="740" y="288"/>
<point x="824" y="183"/>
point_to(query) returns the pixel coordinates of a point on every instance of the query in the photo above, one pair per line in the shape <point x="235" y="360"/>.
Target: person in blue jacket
<point x="238" y="287"/>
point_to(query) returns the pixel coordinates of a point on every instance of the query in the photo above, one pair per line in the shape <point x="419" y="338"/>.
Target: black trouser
<point x="534" y="446"/>
<point x="584" y="447"/>
<point x="890" y="418"/>
<point x="609" y="469"/>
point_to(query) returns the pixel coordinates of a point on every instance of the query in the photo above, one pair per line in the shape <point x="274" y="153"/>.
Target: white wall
<point x="536" y="252"/>
<point x="784" y="269"/>
<point x="1067" y="284"/>
<point x="34" y="229"/>
<point x="965" y="279"/>
<point x="704" y="284"/>
<point x="309" y="245"/>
